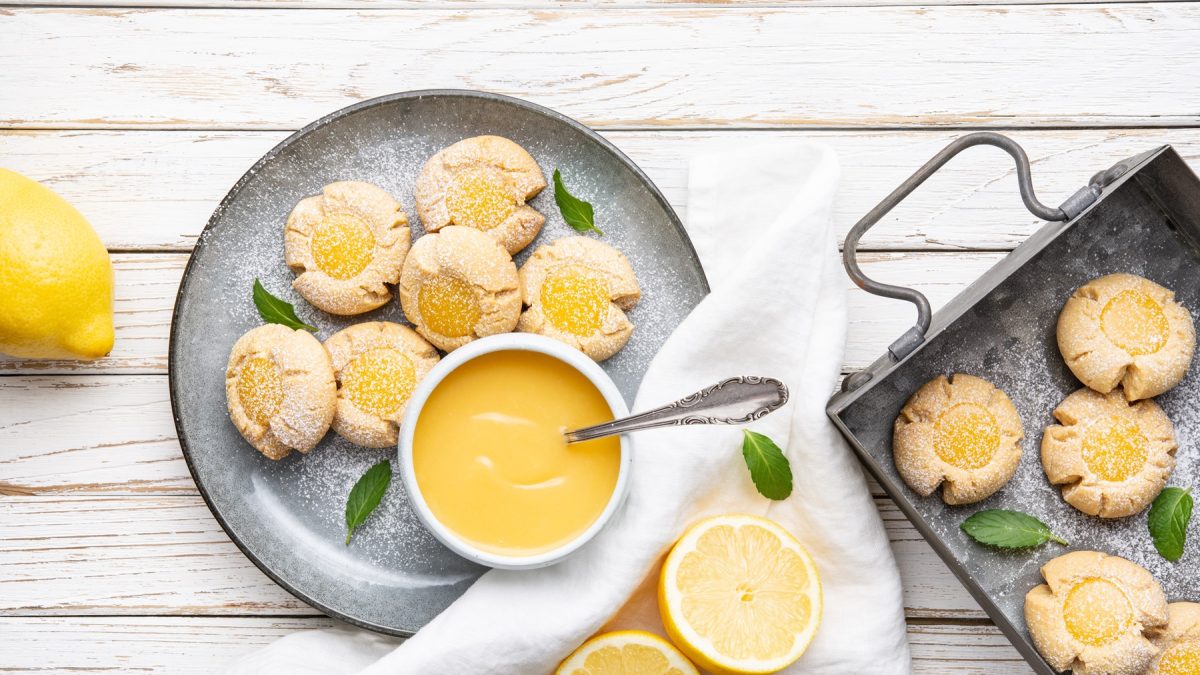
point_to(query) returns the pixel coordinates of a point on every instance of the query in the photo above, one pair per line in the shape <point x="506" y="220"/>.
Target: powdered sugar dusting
<point x="290" y="514"/>
<point x="1008" y="337"/>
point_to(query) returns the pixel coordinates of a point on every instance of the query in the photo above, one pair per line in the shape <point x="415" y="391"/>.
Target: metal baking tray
<point x="1141" y="216"/>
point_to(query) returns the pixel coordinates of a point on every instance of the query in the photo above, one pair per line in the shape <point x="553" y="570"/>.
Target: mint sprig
<point x="769" y="467"/>
<point x="578" y="213"/>
<point x="274" y="310"/>
<point x="1009" y="529"/>
<point x="1168" y="521"/>
<point x="366" y="495"/>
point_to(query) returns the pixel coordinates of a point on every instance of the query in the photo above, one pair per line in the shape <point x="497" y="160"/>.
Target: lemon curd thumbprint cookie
<point x="1125" y="330"/>
<point x="1179" y="644"/>
<point x="483" y="183"/>
<point x="377" y="365"/>
<point x="961" y="433"/>
<point x="280" y="390"/>
<point x="1096" y="614"/>
<point x="345" y="245"/>
<point x="458" y="285"/>
<point x="1111" y="457"/>
<point x="578" y="290"/>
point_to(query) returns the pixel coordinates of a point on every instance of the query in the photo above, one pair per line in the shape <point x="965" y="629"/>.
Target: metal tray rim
<point x="942" y="319"/>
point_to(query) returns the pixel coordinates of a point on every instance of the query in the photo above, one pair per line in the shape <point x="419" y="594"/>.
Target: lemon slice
<point x="739" y="594"/>
<point x="626" y="652"/>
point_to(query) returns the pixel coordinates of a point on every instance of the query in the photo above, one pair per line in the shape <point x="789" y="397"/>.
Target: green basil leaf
<point x="366" y="495"/>
<point x="575" y="211"/>
<point x="1008" y="529"/>
<point x="274" y="310"/>
<point x="769" y="467"/>
<point x="1168" y="520"/>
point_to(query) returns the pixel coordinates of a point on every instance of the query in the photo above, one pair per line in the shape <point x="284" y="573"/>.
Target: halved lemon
<point x="739" y="594"/>
<point x="626" y="652"/>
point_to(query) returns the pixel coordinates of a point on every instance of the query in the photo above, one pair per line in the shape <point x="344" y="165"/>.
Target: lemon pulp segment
<point x="574" y="301"/>
<point x="1096" y="612"/>
<point x="1181" y="659"/>
<point x="1114" y="448"/>
<point x="342" y="245"/>
<point x="479" y="198"/>
<point x="379" y="381"/>
<point x="448" y="306"/>
<point x="626" y="652"/>
<point x="749" y="605"/>
<point x="260" y="389"/>
<point x="1134" y="322"/>
<point x="966" y="436"/>
<point x="631" y="659"/>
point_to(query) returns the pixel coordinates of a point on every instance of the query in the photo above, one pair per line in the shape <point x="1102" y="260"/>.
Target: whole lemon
<point x="56" y="281"/>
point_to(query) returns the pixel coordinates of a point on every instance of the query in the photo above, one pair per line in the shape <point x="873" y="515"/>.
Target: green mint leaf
<point x="769" y="467"/>
<point x="1169" y="516"/>
<point x="575" y="211"/>
<point x="1008" y="529"/>
<point x="274" y="310"/>
<point x="366" y="495"/>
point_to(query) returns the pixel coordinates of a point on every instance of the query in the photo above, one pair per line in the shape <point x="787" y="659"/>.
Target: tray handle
<point x="909" y="341"/>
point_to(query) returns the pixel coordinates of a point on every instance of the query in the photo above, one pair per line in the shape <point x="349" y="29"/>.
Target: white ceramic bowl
<point x="496" y="343"/>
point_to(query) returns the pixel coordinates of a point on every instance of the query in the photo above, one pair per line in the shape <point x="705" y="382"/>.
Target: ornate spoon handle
<point x="732" y="401"/>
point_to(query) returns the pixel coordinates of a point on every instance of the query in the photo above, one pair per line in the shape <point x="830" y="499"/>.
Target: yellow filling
<point x="1134" y="322"/>
<point x="1182" y="659"/>
<point x="448" y="306"/>
<point x="260" y="389"/>
<point x="479" y="198"/>
<point x="1114" y="449"/>
<point x="1096" y="612"/>
<point x="379" y="381"/>
<point x="342" y="245"/>
<point x="966" y="436"/>
<point x="741" y="583"/>
<point x="574" y="301"/>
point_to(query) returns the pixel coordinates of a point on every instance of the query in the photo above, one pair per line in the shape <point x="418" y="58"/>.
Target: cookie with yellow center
<point x="961" y="433"/>
<point x="280" y="390"/>
<point x="1111" y="457"/>
<point x="458" y="285"/>
<point x="1179" y="644"/>
<point x="483" y="183"/>
<point x="345" y="244"/>
<point x="377" y="365"/>
<point x="578" y="290"/>
<point x="1125" y="330"/>
<point x="1095" y="614"/>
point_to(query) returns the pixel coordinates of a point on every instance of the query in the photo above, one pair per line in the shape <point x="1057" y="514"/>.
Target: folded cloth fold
<point x="760" y="220"/>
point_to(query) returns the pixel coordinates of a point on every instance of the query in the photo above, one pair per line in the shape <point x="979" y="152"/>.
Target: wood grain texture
<point x="153" y="554"/>
<point x="146" y="285"/>
<point x="522" y="4"/>
<point x="183" y="646"/>
<point x="1102" y="65"/>
<point x="156" y="190"/>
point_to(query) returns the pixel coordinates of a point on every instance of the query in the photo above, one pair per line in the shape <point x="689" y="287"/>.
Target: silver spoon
<point x="733" y="401"/>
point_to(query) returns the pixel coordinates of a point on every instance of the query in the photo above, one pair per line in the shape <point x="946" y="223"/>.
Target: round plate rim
<point x="236" y="190"/>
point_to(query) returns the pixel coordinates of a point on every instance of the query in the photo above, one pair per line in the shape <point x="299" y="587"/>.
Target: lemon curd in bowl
<point x="486" y="463"/>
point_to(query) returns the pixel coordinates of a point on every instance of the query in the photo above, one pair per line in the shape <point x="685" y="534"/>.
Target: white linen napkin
<point x="760" y="220"/>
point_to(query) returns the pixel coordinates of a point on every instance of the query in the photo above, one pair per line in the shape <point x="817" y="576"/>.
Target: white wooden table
<point x="144" y="112"/>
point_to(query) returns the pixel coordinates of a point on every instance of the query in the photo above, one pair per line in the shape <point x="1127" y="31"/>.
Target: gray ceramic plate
<point x="287" y="516"/>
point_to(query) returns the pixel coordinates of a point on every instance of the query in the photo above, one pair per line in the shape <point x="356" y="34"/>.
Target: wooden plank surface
<point x="524" y="4"/>
<point x="1095" y="65"/>
<point x="145" y="116"/>
<point x="156" y="190"/>
<point x="146" y="285"/>
<point x="204" y="644"/>
<point x="121" y="554"/>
